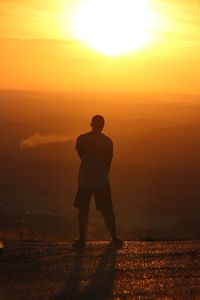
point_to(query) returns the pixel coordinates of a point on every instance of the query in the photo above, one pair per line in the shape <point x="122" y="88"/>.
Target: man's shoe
<point x="78" y="244"/>
<point x="117" y="242"/>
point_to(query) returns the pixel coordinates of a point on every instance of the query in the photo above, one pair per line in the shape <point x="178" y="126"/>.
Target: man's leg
<point x="104" y="204"/>
<point x="83" y="223"/>
<point x="109" y="218"/>
<point x="82" y="202"/>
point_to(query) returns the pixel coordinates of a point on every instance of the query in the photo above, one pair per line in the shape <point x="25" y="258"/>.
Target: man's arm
<point x="109" y="154"/>
<point x="79" y="148"/>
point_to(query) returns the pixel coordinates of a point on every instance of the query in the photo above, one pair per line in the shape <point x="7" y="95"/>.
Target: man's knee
<point x="83" y="211"/>
<point x="107" y="212"/>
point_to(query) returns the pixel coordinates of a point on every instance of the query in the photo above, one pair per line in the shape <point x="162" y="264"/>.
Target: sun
<point x="114" y="27"/>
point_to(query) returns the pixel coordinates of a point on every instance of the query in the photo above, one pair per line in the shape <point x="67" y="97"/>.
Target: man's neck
<point x="96" y="131"/>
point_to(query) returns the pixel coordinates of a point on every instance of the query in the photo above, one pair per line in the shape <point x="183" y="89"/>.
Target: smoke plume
<point x="38" y="139"/>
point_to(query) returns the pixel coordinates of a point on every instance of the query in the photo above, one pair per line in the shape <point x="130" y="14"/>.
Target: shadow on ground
<point x="101" y="282"/>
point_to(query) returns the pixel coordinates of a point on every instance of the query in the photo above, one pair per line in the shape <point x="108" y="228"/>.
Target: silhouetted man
<point x="95" y="151"/>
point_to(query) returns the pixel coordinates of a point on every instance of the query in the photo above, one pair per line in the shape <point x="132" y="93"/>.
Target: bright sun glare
<point x="114" y="27"/>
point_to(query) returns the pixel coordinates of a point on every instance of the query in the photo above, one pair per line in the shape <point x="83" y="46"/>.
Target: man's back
<point x="96" y="151"/>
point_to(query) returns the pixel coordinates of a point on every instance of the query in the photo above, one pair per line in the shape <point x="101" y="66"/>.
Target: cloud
<point x="23" y="19"/>
<point x="38" y="139"/>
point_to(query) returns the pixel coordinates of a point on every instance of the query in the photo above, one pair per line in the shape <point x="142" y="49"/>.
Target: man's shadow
<point x="101" y="284"/>
<point x="73" y="284"/>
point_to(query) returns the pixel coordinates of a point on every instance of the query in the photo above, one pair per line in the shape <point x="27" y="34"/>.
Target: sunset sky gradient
<point x="38" y="51"/>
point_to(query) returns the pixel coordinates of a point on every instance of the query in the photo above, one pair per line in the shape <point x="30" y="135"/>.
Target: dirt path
<point x="159" y="270"/>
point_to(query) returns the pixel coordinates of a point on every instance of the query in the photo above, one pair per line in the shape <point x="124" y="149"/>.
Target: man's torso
<point x="95" y="150"/>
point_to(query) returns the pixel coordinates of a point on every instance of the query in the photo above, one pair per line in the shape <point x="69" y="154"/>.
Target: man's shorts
<point x="102" y="196"/>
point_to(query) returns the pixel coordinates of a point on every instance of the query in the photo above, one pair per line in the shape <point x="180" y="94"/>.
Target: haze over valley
<point x="155" y="173"/>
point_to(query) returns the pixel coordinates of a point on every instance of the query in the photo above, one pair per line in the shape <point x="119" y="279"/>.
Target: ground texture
<point x="139" y="270"/>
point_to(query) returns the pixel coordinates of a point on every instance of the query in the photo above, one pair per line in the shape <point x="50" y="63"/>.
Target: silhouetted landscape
<point x="155" y="174"/>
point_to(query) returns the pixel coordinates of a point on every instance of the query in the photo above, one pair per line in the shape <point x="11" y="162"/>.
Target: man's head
<point x="97" y="123"/>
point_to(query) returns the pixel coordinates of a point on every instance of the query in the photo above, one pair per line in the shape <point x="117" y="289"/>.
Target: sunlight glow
<point x="114" y="27"/>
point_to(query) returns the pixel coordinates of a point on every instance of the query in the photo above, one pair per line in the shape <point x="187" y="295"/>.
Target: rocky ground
<point x="139" y="270"/>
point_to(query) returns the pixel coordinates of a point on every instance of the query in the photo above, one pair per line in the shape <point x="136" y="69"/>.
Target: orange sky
<point x="39" y="51"/>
